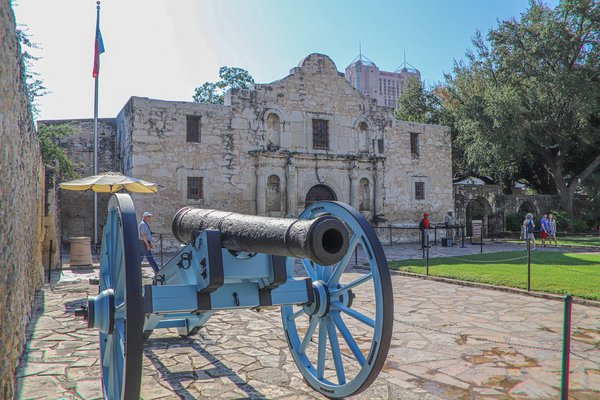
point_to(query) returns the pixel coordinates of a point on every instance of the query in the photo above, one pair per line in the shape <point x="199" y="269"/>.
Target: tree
<point x="418" y="104"/>
<point x="527" y="101"/>
<point x="49" y="136"/>
<point x="34" y="86"/>
<point x="231" y="78"/>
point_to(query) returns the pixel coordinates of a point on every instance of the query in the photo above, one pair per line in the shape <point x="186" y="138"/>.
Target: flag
<point x="98" y="47"/>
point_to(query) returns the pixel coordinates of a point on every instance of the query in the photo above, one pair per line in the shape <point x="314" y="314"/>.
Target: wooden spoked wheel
<point x="118" y="310"/>
<point x="341" y="340"/>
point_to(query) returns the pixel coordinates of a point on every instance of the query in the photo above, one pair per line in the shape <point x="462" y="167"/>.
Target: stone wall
<point x="21" y="204"/>
<point x="495" y="203"/>
<point x="77" y="207"/>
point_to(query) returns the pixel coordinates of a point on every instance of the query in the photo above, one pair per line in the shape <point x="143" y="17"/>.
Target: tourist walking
<point x="145" y="236"/>
<point x="552" y="230"/>
<point x="544" y="229"/>
<point x="529" y="227"/>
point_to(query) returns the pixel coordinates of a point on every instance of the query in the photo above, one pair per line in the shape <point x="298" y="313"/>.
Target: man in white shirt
<point x="145" y="235"/>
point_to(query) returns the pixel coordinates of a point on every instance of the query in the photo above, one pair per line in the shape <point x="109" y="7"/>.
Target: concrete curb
<point x="542" y="295"/>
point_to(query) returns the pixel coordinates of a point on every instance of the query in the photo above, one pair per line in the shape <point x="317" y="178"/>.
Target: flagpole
<point x="96" y="133"/>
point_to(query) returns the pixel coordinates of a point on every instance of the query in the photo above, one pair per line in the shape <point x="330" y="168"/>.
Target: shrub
<point x="564" y="220"/>
<point x="514" y="221"/>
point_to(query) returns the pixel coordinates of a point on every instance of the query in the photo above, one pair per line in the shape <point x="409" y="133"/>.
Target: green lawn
<point x="583" y="240"/>
<point x="552" y="272"/>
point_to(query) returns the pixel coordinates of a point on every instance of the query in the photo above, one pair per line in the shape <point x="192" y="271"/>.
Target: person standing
<point x="552" y="230"/>
<point x="529" y="227"/>
<point x="424" y="227"/>
<point x="449" y="222"/>
<point x="544" y="229"/>
<point x="145" y="236"/>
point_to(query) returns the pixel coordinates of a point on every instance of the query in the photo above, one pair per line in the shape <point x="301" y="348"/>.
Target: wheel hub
<point x="101" y="311"/>
<point x="320" y="307"/>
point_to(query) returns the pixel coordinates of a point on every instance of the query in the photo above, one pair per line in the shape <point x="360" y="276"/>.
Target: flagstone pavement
<point x="449" y="342"/>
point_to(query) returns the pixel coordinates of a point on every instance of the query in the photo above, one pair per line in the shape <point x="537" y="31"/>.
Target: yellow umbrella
<point x="110" y="182"/>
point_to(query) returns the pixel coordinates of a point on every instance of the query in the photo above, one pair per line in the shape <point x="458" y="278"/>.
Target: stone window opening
<point x="419" y="190"/>
<point x="273" y="130"/>
<point x="364" y="192"/>
<point x="363" y="135"/>
<point x="273" y="193"/>
<point x="380" y="146"/>
<point x="195" y="188"/>
<point x="414" y="145"/>
<point x="320" y="134"/>
<point x="193" y="129"/>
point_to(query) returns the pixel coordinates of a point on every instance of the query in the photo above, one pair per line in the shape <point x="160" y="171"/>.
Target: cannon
<point x="337" y="321"/>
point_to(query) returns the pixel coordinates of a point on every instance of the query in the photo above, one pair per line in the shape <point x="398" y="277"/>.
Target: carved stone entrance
<point x="478" y="209"/>
<point x="319" y="193"/>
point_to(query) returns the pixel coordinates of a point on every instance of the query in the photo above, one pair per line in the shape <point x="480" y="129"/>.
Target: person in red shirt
<point x="424" y="227"/>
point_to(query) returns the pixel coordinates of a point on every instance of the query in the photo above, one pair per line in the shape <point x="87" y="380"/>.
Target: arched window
<point x="364" y="193"/>
<point x="363" y="137"/>
<point x="273" y="193"/>
<point x="273" y="130"/>
<point x="319" y="193"/>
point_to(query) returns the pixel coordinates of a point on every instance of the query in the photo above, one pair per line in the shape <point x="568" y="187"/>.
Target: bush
<point x="514" y="221"/>
<point x="564" y="220"/>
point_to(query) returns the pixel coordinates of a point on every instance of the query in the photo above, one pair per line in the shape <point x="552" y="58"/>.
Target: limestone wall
<point x="21" y="204"/>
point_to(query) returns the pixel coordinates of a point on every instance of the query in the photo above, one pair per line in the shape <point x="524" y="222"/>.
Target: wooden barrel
<point x="81" y="251"/>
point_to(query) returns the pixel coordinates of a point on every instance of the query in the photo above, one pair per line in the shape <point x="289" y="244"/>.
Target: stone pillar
<point x="291" y="187"/>
<point x="378" y="188"/>
<point x="261" y="191"/>
<point x="353" y="185"/>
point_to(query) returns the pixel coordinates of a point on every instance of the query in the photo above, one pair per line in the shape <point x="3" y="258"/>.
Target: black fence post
<point x="566" y="351"/>
<point x="463" y="235"/>
<point x="528" y="263"/>
<point x="427" y="259"/>
<point x="481" y="239"/>
<point x="435" y="235"/>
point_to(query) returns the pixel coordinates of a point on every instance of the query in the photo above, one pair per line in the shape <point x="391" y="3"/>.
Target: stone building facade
<point x="273" y="149"/>
<point x="21" y="204"/>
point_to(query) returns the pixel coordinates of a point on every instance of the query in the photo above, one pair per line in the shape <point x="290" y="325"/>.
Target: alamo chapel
<point x="271" y="150"/>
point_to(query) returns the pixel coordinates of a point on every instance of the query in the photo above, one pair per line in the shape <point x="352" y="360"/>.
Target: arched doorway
<point x="478" y="209"/>
<point x="319" y="193"/>
<point x="527" y="207"/>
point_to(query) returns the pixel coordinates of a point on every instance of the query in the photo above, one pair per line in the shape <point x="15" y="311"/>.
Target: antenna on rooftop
<point x="405" y="65"/>
<point x="362" y="58"/>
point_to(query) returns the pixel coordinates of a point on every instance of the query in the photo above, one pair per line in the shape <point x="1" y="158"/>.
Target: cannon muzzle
<point x="323" y="240"/>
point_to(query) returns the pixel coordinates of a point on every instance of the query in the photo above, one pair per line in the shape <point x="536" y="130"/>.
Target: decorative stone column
<point x="261" y="191"/>
<point x="291" y="185"/>
<point x="378" y="188"/>
<point x="353" y="184"/>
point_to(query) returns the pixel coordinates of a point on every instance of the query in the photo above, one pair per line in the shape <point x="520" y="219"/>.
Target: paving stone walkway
<point x="449" y="342"/>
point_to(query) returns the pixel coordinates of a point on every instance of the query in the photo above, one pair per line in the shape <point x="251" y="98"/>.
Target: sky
<point x="164" y="49"/>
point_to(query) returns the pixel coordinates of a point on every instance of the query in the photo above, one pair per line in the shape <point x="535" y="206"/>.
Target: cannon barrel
<point x="323" y="239"/>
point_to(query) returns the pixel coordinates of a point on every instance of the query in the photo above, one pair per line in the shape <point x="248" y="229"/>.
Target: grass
<point x="551" y="272"/>
<point x="580" y="241"/>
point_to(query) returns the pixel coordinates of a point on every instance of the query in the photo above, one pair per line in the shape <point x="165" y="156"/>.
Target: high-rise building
<point x="383" y="86"/>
